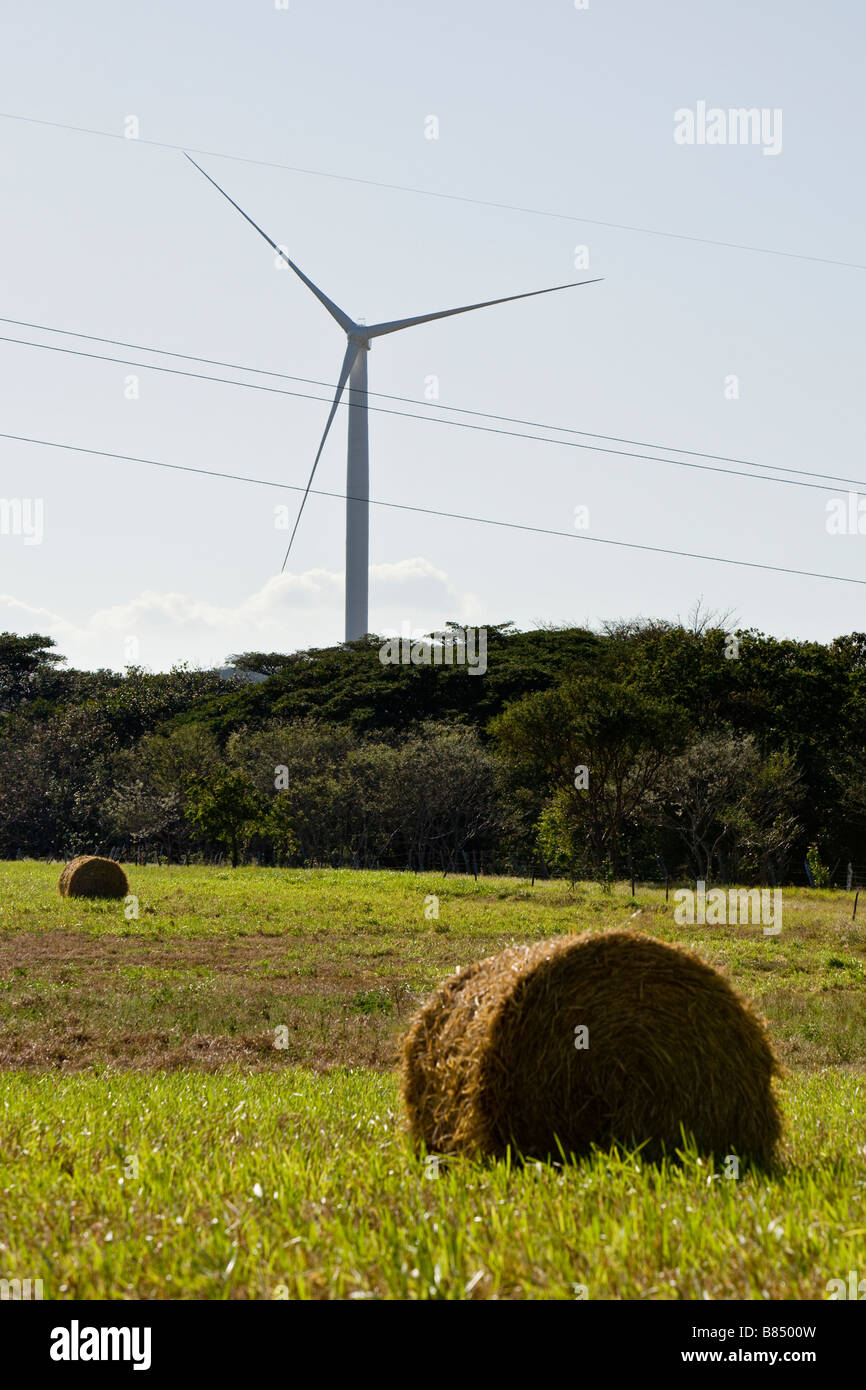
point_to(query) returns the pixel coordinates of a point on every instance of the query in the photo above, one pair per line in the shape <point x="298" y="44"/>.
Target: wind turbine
<point x="354" y="370"/>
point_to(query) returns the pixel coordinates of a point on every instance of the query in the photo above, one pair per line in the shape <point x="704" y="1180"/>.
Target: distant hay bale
<point x="491" y="1059"/>
<point x="90" y="876"/>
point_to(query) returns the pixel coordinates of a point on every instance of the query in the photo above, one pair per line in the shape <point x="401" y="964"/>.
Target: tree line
<point x="653" y="747"/>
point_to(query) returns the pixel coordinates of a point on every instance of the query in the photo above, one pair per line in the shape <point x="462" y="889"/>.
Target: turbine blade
<point x="351" y="351"/>
<point x="378" y="329"/>
<point x="333" y="309"/>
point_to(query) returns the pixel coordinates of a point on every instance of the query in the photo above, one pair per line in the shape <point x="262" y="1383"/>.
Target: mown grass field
<point x="157" y="1142"/>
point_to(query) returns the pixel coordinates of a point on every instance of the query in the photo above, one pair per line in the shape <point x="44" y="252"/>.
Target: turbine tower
<point x="354" y="370"/>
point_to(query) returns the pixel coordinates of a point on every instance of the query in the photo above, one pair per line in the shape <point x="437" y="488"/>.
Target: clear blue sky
<point x="541" y="106"/>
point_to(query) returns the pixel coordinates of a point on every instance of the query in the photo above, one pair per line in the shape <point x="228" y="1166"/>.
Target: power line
<point x="437" y="193"/>
<point x="465" y="425"/>
<point x="408" y="400"/>
<point x="431" y="511"/>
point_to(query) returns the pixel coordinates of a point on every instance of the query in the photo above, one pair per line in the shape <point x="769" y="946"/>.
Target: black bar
<point x="243" y="1339"/>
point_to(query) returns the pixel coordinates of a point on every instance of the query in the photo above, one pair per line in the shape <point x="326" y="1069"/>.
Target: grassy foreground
<point x="156" y="1142"/>
<point x="306" y="1187"/>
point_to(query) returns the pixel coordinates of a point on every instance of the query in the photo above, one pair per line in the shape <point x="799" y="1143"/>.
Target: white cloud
<point x="288" y="612"/>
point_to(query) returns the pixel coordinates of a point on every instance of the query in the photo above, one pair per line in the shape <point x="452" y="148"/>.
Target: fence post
<point x="854" y="913"/>
<point x="850" y="883"/>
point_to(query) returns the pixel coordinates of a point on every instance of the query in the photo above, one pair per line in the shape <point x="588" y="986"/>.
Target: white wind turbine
<point x="354" y="370"/>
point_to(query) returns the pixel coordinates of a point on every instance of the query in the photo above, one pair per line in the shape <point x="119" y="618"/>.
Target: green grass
<point x="263" y="1169"/>
<point x="249" y="1185"/>
<point x="217" y="960"/>
<point x="229" y="903"/>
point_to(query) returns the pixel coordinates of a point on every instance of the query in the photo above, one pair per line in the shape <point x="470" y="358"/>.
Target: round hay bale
<point x="90" y="876"/>
<point x="492" y="1061"/>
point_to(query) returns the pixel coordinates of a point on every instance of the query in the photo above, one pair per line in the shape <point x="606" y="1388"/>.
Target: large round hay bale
<point x="491" y="1060"/>
<point x="90" y="876"/>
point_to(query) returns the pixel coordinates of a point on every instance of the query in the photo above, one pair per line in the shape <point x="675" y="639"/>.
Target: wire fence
<point x="855" y="876"/>
<point x="638" y="871"/>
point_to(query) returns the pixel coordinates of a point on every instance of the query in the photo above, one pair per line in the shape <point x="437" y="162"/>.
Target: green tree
<point x="731" y="809"/>
<point x="226" y="807"/>
<point x="24" y="662"/>
<point x="261" y="663"/>
<point x="597" y="748"/>
<point x="148" y="802"/>
<point x="55" y="781"/>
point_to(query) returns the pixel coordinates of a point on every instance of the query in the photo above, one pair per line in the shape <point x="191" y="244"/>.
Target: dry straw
<point x="89" y="876"/>
<point x="490" y="1061"/>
